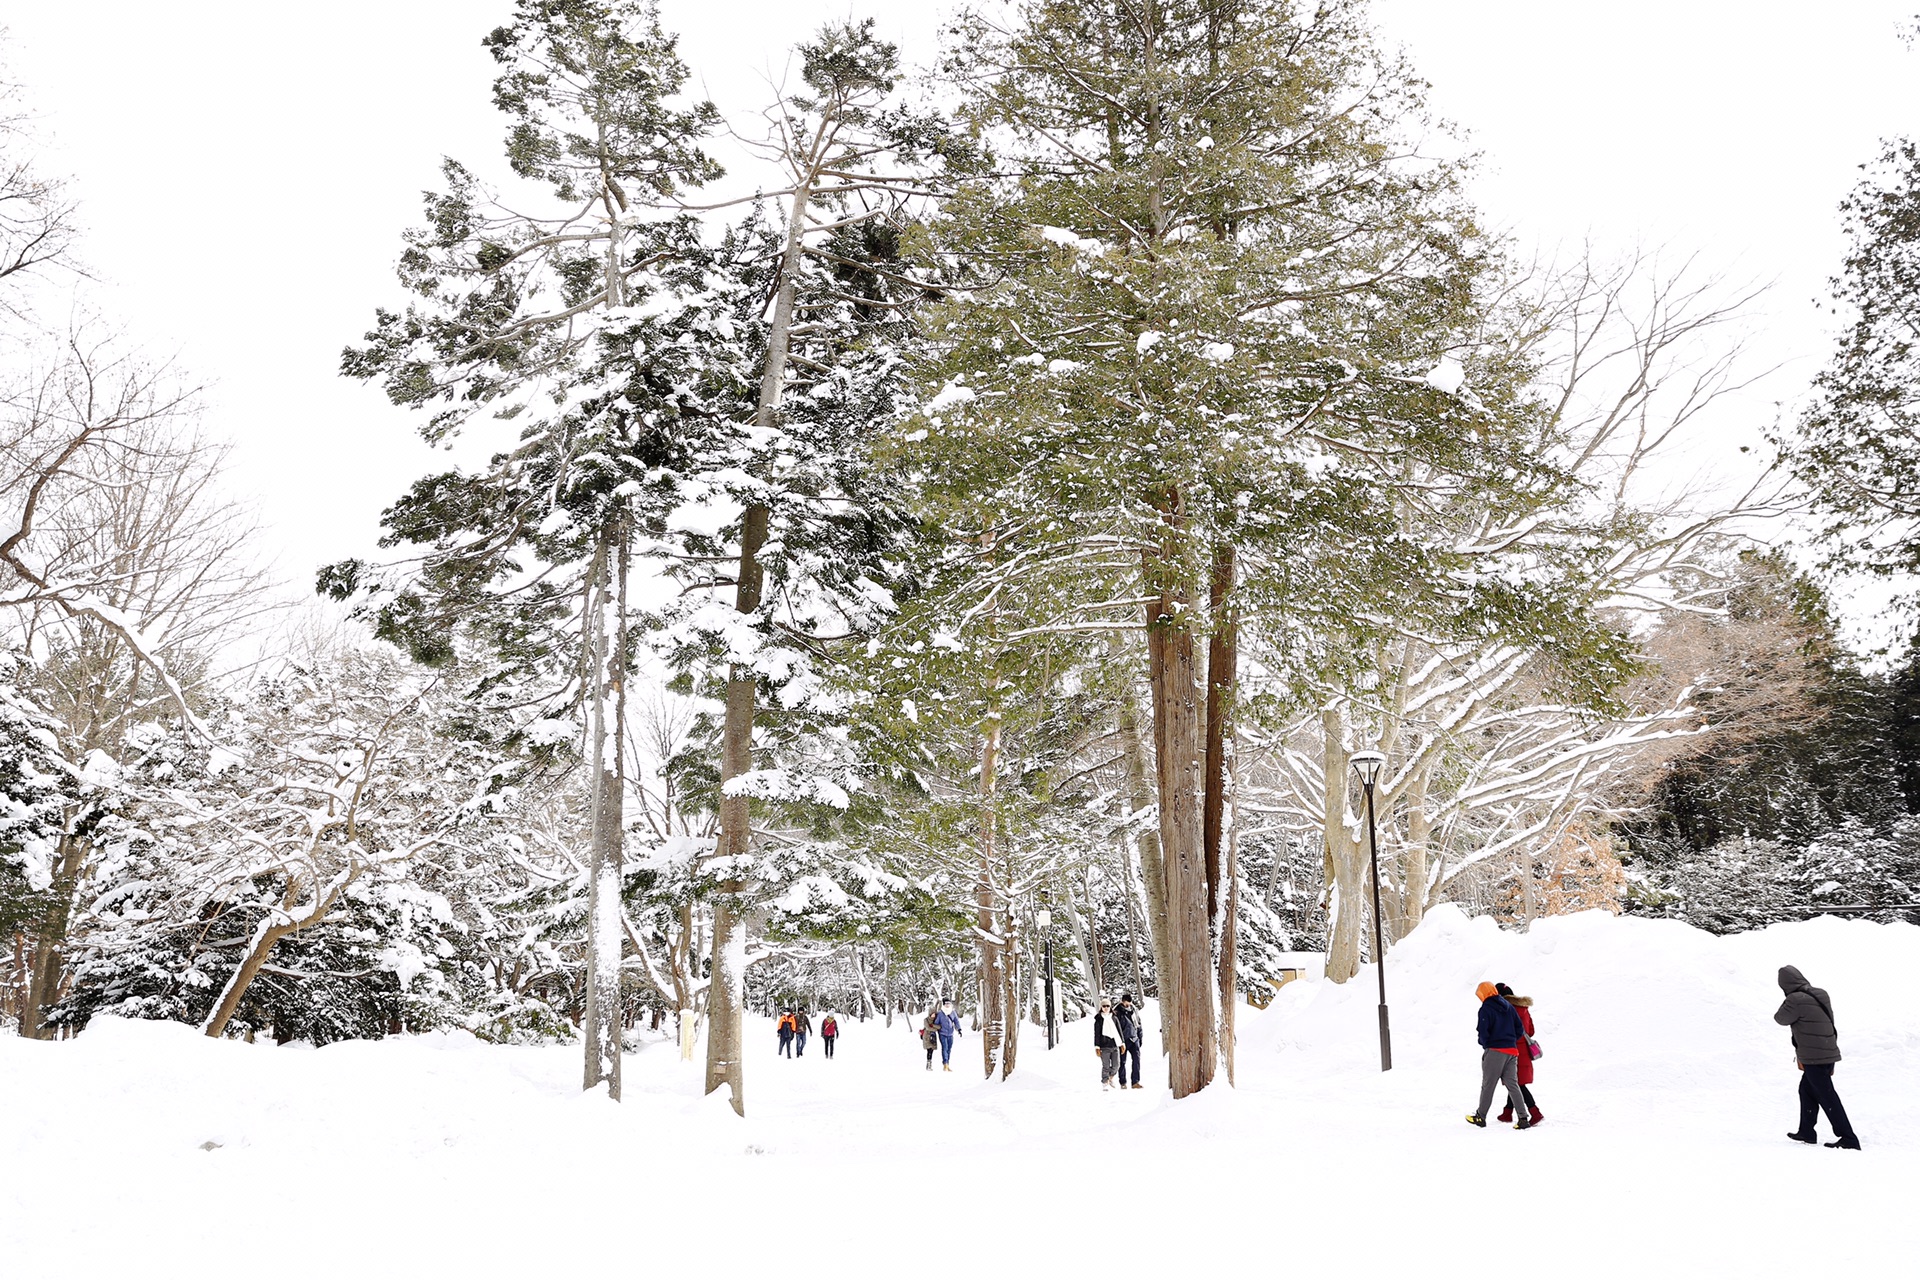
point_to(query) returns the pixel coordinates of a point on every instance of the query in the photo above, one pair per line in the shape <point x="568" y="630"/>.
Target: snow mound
<point x="1666" y="1085"/>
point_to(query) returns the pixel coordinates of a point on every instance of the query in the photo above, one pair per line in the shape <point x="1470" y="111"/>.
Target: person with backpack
<point x="1106" y="1043"/>
<point x="1128" y="1033"/>
<point x="1500" y="1034"/>
<point x="829" y="1032"/>
<point x="1523" y="1006"/>
<point x="786" y="1033"/>
<point x="930" y="1035"/>
<point x="948" y="1025"/>
<point x="1807" y="1013"/>
<point x="802" y="1028"/>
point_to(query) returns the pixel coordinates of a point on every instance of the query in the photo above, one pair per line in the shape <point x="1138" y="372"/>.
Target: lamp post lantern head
<point x="1043" y="918"/>
<point x="1368" y="765"/>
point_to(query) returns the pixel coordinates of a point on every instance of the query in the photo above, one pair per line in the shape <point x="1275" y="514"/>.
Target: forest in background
<point x="1021" y="506"/>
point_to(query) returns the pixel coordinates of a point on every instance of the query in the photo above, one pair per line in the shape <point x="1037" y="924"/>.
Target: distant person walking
<point x="948" y="1025"/>
<point x="802" y="1028"/>
<point x="829" y="1032"/>
<point x="786" y="1033"/>
<point x="1129" y="1033"/>
<point x="930" y="1035"/>
<point x="1499" y="1030"/>
<point x="1106" y="1041"/>
<point x="1522" y="1006"/>
<point x="1808" y="1013"/>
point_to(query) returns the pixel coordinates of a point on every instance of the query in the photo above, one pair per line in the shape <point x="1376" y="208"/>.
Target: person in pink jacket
<point x="1522" y="1005"/>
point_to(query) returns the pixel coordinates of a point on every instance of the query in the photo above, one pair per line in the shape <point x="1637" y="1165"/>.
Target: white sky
<point x="246" y="170"/>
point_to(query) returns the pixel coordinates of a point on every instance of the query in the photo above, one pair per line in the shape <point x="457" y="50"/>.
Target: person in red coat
<point x="1522" y="1005"/>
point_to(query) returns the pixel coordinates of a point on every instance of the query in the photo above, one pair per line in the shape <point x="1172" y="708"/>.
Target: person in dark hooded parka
<point x="1808" y="1013"/>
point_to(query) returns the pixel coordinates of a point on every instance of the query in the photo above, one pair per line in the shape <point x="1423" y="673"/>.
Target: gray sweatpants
<point x="1499" y="1068"/>
<point x="1109" y="1064"/>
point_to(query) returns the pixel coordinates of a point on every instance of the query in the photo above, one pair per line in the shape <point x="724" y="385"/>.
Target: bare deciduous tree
<point x="122" y="570"/>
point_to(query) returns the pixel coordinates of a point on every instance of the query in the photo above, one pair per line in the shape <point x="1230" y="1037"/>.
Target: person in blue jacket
<point x="1500" y="1036"/>
<point x="947" y="1024"/>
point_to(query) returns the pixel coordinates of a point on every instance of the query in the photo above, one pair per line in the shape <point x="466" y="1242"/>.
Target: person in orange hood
<point x="1499" y="1029"/>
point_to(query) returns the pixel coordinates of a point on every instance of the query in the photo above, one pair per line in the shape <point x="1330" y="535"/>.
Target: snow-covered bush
<point x="1854" y="869"/>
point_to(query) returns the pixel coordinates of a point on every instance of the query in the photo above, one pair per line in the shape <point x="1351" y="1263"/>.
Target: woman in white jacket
<point x="1106" y="1041"/>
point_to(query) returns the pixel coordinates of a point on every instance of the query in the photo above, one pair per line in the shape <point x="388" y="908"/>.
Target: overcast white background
<point x="246" y="169"/>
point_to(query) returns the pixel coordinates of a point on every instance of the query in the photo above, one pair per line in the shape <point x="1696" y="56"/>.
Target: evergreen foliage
<point x="1858" y="446"/>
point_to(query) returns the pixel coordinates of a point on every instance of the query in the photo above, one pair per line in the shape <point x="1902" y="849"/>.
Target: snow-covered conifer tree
<point x="1217" y="296"/>
<point x="832" y="300"/>
<point x="592" y="323"/>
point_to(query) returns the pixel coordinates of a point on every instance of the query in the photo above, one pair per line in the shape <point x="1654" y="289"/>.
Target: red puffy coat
<point x="1523" y="1007"/>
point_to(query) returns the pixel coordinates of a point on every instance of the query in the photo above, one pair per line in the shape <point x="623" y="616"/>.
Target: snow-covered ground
<point x="1666" y="1086"/>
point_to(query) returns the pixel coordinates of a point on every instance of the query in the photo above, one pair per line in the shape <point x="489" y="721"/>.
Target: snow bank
<point x="144" y="1148"/>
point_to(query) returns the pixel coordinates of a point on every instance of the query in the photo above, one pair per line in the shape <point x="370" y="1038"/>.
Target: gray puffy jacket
<point x="1809" y="1014"/>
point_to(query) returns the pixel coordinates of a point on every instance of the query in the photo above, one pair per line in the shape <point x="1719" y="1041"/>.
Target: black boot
<point x="1848" y="1143"/>
<point x="1808" y="1138"/>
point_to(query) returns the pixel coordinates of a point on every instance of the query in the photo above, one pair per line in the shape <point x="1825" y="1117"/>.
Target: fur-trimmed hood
<point x="1520" y="1002"/>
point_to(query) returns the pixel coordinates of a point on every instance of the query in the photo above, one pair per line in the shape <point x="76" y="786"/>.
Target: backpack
<point x="786" y="1022"/>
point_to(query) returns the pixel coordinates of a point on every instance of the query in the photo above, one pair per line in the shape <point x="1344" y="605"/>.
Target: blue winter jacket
<point x="947" y="1024"/>
<point x="1499" y="1024"/>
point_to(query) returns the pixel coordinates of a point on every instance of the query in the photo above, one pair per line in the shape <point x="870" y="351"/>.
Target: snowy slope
<point x="1666" y="1085"/>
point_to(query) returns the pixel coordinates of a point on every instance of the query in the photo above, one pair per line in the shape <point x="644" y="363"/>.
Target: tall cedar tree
<point x="1216" y="293"/>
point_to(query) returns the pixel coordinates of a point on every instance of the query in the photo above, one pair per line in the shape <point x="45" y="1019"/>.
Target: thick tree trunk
<point x="1346" y="860"/>
<point x="1186" y="990"/>
<point x="1222" y="664"/>
<point x="989" y="937"/>
<point x="1012" y="986"/>
<point x="725" y="1008"/>
<point x="1222" y="671"/>
<point x="1414" y="872"/>
<point x="1229" y="954"/>
<point x="726" y="1001"/>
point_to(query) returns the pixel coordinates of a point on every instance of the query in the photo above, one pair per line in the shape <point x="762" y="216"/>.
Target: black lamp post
<point x="1044" y="918"/>
<point x="1368" y="765"/>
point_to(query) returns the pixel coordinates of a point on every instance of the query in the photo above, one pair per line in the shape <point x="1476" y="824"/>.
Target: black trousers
<point x="1817" y="1094"/>
<point x="1129" y="1051"/>
<point x="826" y="1044"/>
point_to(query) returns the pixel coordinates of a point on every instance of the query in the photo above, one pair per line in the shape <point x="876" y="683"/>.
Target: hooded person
<point x="930" y="1035"/>
<point x="1500" y="1036"/>
<point x="786" y="1033"/>
<point x="1128" y="1033"/>
<point x="1807" y="1013"/>
<point x="1523" y="1008"/>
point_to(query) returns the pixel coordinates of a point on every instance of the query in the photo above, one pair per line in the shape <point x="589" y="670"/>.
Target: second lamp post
<point x="1368" y="765"/>
<point x="1044" y="918"/>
